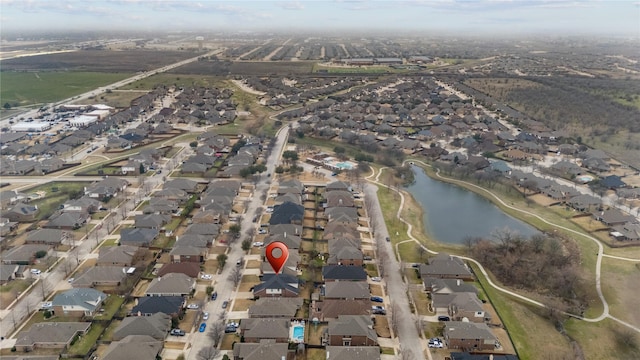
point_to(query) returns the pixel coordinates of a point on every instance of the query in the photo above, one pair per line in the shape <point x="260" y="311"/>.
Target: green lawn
<point x="111" y="306"/>
<point x="84" y="344"/>
<point x="25" y="88"/>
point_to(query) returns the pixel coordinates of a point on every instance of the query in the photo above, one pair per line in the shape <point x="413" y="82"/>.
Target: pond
<point x="452" y="213"/>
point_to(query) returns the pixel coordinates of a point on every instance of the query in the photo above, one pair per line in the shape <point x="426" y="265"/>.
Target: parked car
<point x="376" y="279"/>
<point x="443" y="318"/>
<point x="377" y="299"/>
<point x="377" y="307"/>
<point x="262" y="231"/>
<point x="202" y="327"/>
<point x="415" y="266"/>
<point x="387" y="238"/>
<point x="206" y="277"/>
<point x="230" y="329"/>
<point x="70" y="280"/>
<point x="435" y="343"/>
<point x="214" y="295"/>
<point x="258" y="244"/>
<point x="367" y="258"/>
<point x="46" y="305"/>
<point x="225" y="304"/>
<point x="177" y="332"/>
<point x="239" y="262"/>
<point x="192" y="306"/>
<point x="205" y="316"/>
<point x="36" y="272"/>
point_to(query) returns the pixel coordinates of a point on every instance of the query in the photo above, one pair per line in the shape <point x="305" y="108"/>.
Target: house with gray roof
<point x="182" y="184"/>
<point x="21" y="212"/>
<point x="147" y="306"/>
<point x="293" y="229"/>
<point x="277" y="285"/>
<point x="341" y="213"/>
<point x="347" y="290"/>
<point x="139" y="347"/>
<point x="151" y="221"/>
<point x="275" y="308"/>
<point x="25" y="254"/>
<point x="122" y="255"/>
<point x="266" y="349"/>
<point x="138" y="237"/>
<point x="72" y="220"/>
<point x="156" y="326"/>
<point x="100" y="275"/>
<point x="55" y="335"/>
<point x="343" y="273"/>
<point x="469" y="336"/>
<point x="350" y="330"/>
<point x="8" y="272"/>
<point x="445" y="266"/>
<point x="78" y="302"/>
<point x="333" y="308"/>
<point x="51" y="237"/>
<point x="173" y="284"/>
<point x="447" y="286"/>
<point x="106" y="188"/>
<point x="292" y="241"/>
<point x="255" y="329"/>
<point x="353" y="353"/>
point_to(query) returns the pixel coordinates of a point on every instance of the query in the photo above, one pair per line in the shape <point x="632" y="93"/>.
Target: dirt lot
<point x="141" y="288"/>
<point x="97" y="60"/>
<point x="242" y="304"/>
<point x="382" y="326"/>
<point x="248" y="281"/>
<point x="589" y="223"/>
<point x="376" y="290"/>
<point x="543" y="200"/>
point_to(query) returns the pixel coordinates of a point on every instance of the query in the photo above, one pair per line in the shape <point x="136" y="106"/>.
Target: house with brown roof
<point x="173" y="284"/>
<point x="348" y="290"/>
<point x="445" y="266"/>
<point x="353" y="353"/>
<point x="255" y="329"/>
<point x="142" y="347"/>
<point x="275" y="308"/>
<point x="103" y="276"/>
<point x="333" y="308"/>
<point x="190" y="269"/>
<point x="123" y="255"/>
<point x="26" y="254"/>
<point x="156" y="326"/>
<point x="51" y="237"/>
<point x="469" y="336"/>
<point x="350" y="330"/>
<point x="266" y="349"/>
<point x="55" y="335"/>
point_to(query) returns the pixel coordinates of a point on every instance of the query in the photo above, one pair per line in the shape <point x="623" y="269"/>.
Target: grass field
<point x="20" y="89"/>
<point x="174" y="79"/>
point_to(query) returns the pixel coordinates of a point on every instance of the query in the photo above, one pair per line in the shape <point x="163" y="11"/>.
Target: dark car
<point x="379" y="312"/>
<point x="377" y="299"/>
<point x="443" y="318"/>
<point x="225" y="304"/>
<point x="230" y="329"/>
<point x="388" y="240"/>
<point x="214" y="295"/>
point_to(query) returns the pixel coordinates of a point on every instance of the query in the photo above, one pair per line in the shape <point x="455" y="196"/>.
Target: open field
<point x="97" y="60"/>
<point x="173" y="79"/>
<point x="621" y="289"/>
<point x="246" y="68"/>
<point x="26" y="88"/>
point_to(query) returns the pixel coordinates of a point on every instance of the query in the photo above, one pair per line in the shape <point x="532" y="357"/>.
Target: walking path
<point x="605" y="313"/>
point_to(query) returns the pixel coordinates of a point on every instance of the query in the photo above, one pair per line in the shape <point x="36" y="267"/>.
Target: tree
<point x="246" y="245"/>
<point x="142" y="170"/>
<point x="236" y="276"/>
<point x="215" y="332"/>
<point x="290" y="155"/>
<point x="339" y="150"/>
<point x="6" y="106"/>
<point x="193" y="144"/>
<point x="222" y="259"/>
<point x="208" y="353"/>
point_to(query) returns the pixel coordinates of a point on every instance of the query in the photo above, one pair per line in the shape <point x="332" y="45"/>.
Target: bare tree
<point x="208" y="353"/>
<point x="215" y="334"/>
<point x="235" y="276"/>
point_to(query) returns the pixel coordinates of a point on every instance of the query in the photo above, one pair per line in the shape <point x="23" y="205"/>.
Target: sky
<point x="471" y="17"/>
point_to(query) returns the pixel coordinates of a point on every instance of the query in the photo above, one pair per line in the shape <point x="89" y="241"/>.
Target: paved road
<point x="407" y="332"/>
<point x="225" y="288"/>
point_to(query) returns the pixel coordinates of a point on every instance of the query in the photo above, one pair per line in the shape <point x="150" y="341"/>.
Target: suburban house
<point x="266" y="349"/>
<point x="469" y="336"/>
<point x="343" y="273"/>
<point x="21" y="213"/>
<point x="277" y="285"/>
<point x="147" y="306"/>
<point x="133" y="347"/>
<point x="255" y="329"/>
<point x="275" y="308"/>
<point x="8" y="273"/>
<point x="187" y="253"/>
<point x="72" y="220"/>
<point x="100" y="275"/>
<point x="287" y="213"/>
<point x="445" y="266"/>
<point x="51" y="237"/>
<point x="447" y="286"/>
<point x="348" y="290"/>
<point x="26" y="254"/>
<point x="106" y="188"/>
<point x="350" y="330"/>
<point x="333" y="308"/>
<point x="353" y="353"/>
<point x="470" y="356"/>
<point x="173" y="284"/>
<point x="187" y="268"/>
<point x="290" y="266"/>
<point x="156" y="326"/>
<point x="460" y="306"/>
<point x="123" y="255"/>
<point x="138" y="237"/>
<point x="345" y="252"/>
<point x="78" y="302"/>
<point x="55" y="335"/>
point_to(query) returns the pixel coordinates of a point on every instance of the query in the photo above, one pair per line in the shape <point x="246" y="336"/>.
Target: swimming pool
<point x="297" y="332"/>
<point x="344" y="165"/>
<point x="584" y="178"/>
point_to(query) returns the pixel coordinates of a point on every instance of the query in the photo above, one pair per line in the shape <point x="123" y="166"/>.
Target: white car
<point x="258" y="244"/>
<point x="206" y="277"/>
<point x="269" y="210"/>
<point x="36" y="272"/>
<point x="192" y="306"/>
<point x="262" y="231"/>
<point x="46" y="305"/>
<point x="205" y="316"/>
<point x="376" y="279"/>
<point x="70" y="280"/>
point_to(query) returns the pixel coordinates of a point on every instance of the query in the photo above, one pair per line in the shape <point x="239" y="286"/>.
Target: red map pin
<point x="277" y="253"/>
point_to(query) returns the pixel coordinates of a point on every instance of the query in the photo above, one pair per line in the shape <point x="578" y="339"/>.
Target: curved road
<point x="605" y="313"/>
